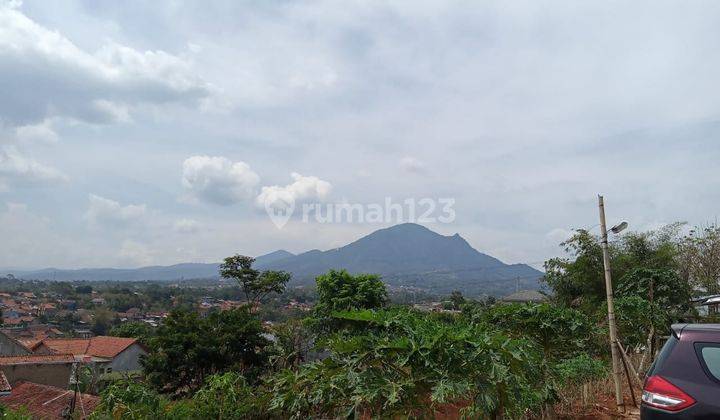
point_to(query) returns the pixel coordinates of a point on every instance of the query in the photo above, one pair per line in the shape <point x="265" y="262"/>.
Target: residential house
<point x="707" y="305"/>
<point x="111" y="354"/>
<point x="33" y="334"/>
<point x="98" y="301"/>
<point x="11" y="347"/>
<point x="46" y="369"/>
<point x="47" y="309"/>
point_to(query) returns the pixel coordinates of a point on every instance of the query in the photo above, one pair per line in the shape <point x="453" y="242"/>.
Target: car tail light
<point x="660" y="393"/>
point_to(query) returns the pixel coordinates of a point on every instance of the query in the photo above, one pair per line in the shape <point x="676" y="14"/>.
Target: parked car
<point x="684" y="381"/>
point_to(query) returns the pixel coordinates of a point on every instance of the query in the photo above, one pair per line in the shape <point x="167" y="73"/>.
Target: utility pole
<point x="611" y="307"/>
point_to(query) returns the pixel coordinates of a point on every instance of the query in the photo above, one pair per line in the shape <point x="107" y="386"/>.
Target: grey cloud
<point x="43" y="74"/>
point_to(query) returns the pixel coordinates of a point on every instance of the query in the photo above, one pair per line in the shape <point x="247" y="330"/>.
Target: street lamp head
<point x="619" y="228"/>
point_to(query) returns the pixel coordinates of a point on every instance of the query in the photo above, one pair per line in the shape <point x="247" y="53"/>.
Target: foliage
<point x="341" y="291"/>
<point x="634" y="255"/>
<point x="130" y="400"/>
<point x="457" y="299"/>
<point x="662" y="286"/>
<point x="226" y="396"/>
<point x="293" y="342"/>
<point x="404" y="362"/>
<point x="140" y="330"/>
<point x="188" y="348"/>
<point x="634" y="315"/>
<point x="10" y="414"/>
<point x="580" y="277"/>
<point x="700" y="254"/>
<point x="84" y="289"/>
<point x="255" y="284"/>
<point x="223" y="396"/>
<point x="102" y="322"/>
<point x="579" y="370"/>
<point x="560" y="331"/>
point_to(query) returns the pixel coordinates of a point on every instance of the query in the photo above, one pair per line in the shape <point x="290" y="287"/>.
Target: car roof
<point x="679" y="329"/>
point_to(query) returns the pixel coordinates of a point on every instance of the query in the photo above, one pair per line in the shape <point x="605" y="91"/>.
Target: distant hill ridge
<point x="405" y="255"/>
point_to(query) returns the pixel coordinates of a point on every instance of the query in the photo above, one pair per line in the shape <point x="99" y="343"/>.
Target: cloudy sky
<point x="137" y="132"/>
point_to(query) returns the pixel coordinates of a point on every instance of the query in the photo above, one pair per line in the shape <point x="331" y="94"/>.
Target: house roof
<point x="45" y="401"/>
<point x="66" y="345"/>
<point x="36" y="359"/>
<point x="101" y="346"/>
<point x="525" y="296"/>
<point x="29" y="343"/>
<point x="4" y="384"/>
<point x="104" y="346"/>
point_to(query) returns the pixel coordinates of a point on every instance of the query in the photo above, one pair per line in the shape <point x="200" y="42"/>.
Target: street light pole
<point x="610" y="306"/>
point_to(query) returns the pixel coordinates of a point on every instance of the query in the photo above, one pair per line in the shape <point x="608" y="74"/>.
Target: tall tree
<point x="256" y="285"/>
<point x="700" y="254"/>
<point x="581" y="275"/>
<point x="457" y="299"/>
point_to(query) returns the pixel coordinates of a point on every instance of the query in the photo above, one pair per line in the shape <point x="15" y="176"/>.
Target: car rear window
<point x="711" y="357"/>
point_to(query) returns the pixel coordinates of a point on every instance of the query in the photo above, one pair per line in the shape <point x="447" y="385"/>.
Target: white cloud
<point x="186" y="226"/>
<point x="37" y="133"/>
<point x="18" y="170"/>
<point x="411" y="164"/>
<point x="47" y="75"/>
<point x="103" y="211"/>
<point x="218" y="180"/>
<point x="303" y="189"/>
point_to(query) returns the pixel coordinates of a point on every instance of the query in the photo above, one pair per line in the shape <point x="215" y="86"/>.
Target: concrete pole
<point x="611" y="308"/>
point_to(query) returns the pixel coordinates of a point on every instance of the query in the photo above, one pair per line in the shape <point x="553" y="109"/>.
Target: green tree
<point x="255" y="284"/>
<point x="700" y="255"/>
<point x="140" y="330"/>
<point x="341" y="291"/>
<point x="102" y="322"/>
<point x="662" y="286"/>
<point x="581" y="275"/>
<point x="457" y="299"/>
<point x="188" y="348"/>
<point x="293" y="342"/>
<point x="84" y="290"/>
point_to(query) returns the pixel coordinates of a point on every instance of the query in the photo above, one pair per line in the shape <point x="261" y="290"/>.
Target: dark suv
<point x="684" y="381"/>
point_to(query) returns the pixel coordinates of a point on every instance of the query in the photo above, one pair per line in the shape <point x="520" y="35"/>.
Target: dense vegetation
<point x="359" y="355"/>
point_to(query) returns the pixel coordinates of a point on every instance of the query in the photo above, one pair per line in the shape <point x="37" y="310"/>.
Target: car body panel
<point x="680" y="363"/>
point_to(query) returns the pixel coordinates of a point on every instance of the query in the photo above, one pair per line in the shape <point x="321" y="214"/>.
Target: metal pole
<point x="611" y="307"/>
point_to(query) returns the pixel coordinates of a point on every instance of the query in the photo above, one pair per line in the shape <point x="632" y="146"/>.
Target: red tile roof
<point x="47" y="402"/>
<point x="29" y="342"/>
<point x="36" y="358"/>
<point x="73" y="346"/>
<point x="104" y="346"/>
<point x="101" y="346"/>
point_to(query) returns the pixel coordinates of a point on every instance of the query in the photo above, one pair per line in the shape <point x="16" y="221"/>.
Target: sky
<point x="140" y="133"/>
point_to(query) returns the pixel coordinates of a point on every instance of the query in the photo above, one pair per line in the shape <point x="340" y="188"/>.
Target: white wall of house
<point x="128" y="359"/>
